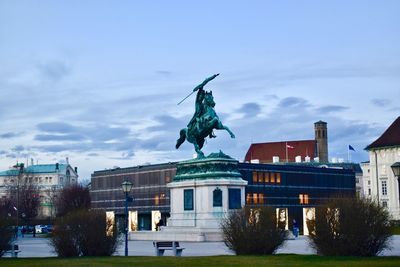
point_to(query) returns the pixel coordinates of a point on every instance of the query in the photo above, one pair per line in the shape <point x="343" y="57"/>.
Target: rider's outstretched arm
<point x="200" y="86"/>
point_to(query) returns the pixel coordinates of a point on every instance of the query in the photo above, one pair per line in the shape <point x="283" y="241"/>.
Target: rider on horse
<point x="196" y="124"/>
<point x="203" y="121"/>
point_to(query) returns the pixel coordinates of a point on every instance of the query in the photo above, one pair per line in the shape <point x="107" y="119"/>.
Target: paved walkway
<point x="40" y="247"/>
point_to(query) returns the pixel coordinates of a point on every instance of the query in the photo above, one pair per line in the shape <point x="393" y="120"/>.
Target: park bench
<point x="14" y="252"/>
<point x="162" y="246"/>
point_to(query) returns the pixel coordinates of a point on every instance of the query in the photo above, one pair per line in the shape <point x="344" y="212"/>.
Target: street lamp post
<point x="396" y="171"/>
<point x="126" y="188"/>
<point x="20" y="168"/>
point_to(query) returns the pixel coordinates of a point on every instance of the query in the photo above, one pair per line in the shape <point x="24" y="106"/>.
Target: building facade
<point x="293" y="190"/>
<point x="151" y="198"/>
<point x="48" y="179"/>
<point x="383" y="153"/>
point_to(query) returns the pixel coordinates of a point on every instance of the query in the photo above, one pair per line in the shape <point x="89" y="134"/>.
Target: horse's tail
<point x="182" y="137"/>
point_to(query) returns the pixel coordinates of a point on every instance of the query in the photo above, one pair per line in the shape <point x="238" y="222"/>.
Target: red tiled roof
<point x="391" y="137"/>
<point x="265" y="151"/>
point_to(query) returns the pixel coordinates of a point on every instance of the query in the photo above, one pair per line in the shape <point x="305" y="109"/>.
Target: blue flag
<point x="351" y="148"/>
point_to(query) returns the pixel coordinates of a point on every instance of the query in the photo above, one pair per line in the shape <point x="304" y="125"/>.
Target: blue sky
<point x="98" y="81"/>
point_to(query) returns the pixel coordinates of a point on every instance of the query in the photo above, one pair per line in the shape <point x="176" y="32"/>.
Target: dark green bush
<point x="350" y="227"/>
<point x="252" y="231"/>
<point x="84" y="233"/>
<point x="6" y="234"/>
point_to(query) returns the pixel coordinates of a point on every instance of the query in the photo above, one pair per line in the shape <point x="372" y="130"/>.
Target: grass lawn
<point x="214" y="261"/>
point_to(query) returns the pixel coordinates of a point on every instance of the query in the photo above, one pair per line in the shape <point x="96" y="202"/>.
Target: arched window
<point x="217" y="197"/>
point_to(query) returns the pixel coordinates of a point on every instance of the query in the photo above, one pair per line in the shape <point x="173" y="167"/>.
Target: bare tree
<point x="72" y="198"/>
<point x="29" y="201"/>
<point x="24" y="195"/>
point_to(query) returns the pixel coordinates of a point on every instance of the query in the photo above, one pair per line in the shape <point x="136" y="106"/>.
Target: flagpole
<point x="287" y="160"/>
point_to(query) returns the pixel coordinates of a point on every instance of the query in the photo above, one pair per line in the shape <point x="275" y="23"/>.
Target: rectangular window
<point x="249" y="199"/>
<point x="261" y="198"/>
<point x="266" y="177"/>
<point x="384" y="204"/>
<point x="255" y="198"/>
<point x="234" y="198"/>
<point x="260" y="177"/>
<point x="369" y="191"/>
<point x="167" y="177"/>
<point x="369" y="182"/>
<point x="188" y="199"/>
<point x="306" y="199"/>
<point x="303" y="199"/>
<point x="217" y="198"/>
<point x="278" y="178"/>
<point x="156" y="200"/>
<point x="384" y="188"/>
<point x="255" y="177"/>
<point x="272" y="177"/>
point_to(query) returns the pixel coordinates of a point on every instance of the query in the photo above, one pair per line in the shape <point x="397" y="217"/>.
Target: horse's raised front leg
<point x="220" y="126"/>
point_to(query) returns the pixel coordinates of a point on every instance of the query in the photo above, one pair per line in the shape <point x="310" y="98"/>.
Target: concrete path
<point x="40" y="247"/>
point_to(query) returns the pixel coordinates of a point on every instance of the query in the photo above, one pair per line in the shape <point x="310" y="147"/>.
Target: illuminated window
<point x="303" y="198"/>
<point x="278" y="178"/>
<point x="260" y="177"/>
<point x="255" y="198"/>
<point x="255" y="177"/>
<point x="266" y="177"/>
<point x="249" y="198"/>
<point x="272" y="177"/>
<point x="261" y="198"/>
<point x="156" y="200"/>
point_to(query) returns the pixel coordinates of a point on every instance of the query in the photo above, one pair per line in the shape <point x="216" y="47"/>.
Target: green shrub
<point x="6" y="234"/>
<point x="252" y="231"/>
<point x="84" y="233"/>
<point x="350" y="227"/>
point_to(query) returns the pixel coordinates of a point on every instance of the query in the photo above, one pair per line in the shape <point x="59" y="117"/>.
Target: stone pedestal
<point x="202" y="193"/>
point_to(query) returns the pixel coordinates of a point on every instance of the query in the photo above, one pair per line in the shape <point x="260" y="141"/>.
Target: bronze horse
<point x="204" y="120"/>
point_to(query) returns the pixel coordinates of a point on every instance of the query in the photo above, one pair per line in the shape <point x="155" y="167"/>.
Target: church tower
<point x="321" y="137"/>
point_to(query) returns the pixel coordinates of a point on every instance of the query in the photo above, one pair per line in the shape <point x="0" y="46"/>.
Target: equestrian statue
<point x="204" y="120"/>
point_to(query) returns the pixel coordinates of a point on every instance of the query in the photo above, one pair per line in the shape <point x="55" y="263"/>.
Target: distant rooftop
<point x="264" y="152"/>
<point x="40" y="168"/>
<point x="391" y="137"/>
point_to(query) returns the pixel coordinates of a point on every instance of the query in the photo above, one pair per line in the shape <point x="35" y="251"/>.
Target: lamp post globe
<point x="396" y="169"/>
<point x="126" y="188"/>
